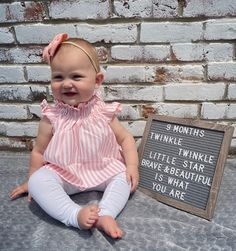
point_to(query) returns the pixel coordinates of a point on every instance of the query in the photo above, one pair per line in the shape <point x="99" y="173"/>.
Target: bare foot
<point x="88" y="216"/>
<point x="109" y="226"/>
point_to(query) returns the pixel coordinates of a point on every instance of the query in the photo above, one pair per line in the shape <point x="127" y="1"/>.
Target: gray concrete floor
<point x="148" y="224"/>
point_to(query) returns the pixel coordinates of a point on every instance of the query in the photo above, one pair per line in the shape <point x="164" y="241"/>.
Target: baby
<point x="81" y="145"/>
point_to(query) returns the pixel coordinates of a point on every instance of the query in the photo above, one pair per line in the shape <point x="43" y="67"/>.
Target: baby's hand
<point x="23" y="188"/>
<point x="132" y="175"/>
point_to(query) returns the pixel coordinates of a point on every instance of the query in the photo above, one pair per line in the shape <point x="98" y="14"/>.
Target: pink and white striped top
<point x="83" y="149"/>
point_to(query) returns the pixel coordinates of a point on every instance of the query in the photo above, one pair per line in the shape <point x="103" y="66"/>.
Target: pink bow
<point x="50" y="50"/>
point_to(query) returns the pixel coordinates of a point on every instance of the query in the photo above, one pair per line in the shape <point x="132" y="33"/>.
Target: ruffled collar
<point x="81" y="106"/>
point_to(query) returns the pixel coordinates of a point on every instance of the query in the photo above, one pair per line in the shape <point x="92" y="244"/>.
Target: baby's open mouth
<point x="69" y="94"/>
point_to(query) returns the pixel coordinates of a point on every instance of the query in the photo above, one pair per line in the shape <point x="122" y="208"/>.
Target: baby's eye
<point x="77" y="77"/>
<point x="57" y="77"/>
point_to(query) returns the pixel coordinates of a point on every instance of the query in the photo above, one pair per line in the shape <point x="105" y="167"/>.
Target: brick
<point x="165" y="8"/>
<point x="109" y="33"/>
<point x="222" y="71"/>
<point x="147" y="53"/>
<point x="194" y="92"/>
<point x="102" y="54"/>
<point x="177" y="110"/>
<point x="145" y="8"/>
<point x="128" y="74"/>
<point x="6" y="36"/>
<point x="41" y="33"/>
<point x="178" y="73"/>
<point x="218" y="8"/>
<point x="3" y="129"/>
<point x="170" y="32"/>
<point x="232" y="91"/>
<point x="4" y="57"/>
<point x="11" y="74"/>
<point x="133" y="8"/>
<point x="13" y="112"/>
<point x="220" y="29"/>
<point x="19" y="93"/>
<point x="28" y="129"/>
<point x="18" y="144"/>
<point x="37" y="73"/>
<point x="129" y="112"/>
<point x="234" y="125"/>
<point x="38" y="93"/>
<point x="133" y="93"/>
<point x="199" y="52"/>
<point x="231" y="112"/>
<point x="33" y="54"/>
<point x="213" y="111"/>
<point x="21" y="55"/>
<point x="219" y="52"/>
<point x="35" y="110"/>
<point x="136" y="128"/>
<point x="22" y="12"/>
<point x="155" y="74"/>
<point x="146" y="110"/>
<point x="82" y="10"/>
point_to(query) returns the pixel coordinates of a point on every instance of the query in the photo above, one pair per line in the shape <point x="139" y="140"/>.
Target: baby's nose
<point x="67" y="83"/>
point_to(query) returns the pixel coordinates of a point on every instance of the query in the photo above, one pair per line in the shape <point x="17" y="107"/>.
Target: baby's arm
<point x="36" y="157"/>
<point x="129" y="150"/>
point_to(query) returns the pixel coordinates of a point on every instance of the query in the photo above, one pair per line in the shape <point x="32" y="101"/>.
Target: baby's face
<point x="73" y="77"/>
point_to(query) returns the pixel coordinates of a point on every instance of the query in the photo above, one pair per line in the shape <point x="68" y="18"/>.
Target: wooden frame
<point x="227" y="133"/>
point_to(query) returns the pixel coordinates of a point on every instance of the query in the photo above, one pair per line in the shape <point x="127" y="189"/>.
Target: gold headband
<point x="81" y="48"/>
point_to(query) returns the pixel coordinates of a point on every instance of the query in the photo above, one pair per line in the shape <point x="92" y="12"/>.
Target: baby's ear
<point x="99" y="79"/>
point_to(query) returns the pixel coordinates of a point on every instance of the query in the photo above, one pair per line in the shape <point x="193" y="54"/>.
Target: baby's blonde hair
<point x="87" y="48"/>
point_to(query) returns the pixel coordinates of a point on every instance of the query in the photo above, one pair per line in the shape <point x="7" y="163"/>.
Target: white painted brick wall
<point x="170" y="32"/>
<point x="131" y="93"/>
<point x="11" y="74"/>
<point x="209" y="8"/>
<point x="163" y="73"/>
<point x="19" y="11"/>
<point x="222" y="71"/>
<point x="127" y="9"/>
<point x="194" y="92"/>
<point x="6" y="36"/>
<point x="22" y="55"/>
<point x="220" y="29"/>
<point x="28" y="129"/>
<point x="200" y="51"/>
<point x="38" y="73"/>
<point x="218" y="111"/>
<point x="177" y="110"/>
<point x="213" y="111"/>
<point x="41" y="33"/>
<point x="13" y="112"/>
<point x="114" y="33"/>
<point x="168" y="57"/>
<point x="85" y="9"/>
<point x="145" y="8"/>
<point x="147" y="53"/>
<point x="232" y="91"/>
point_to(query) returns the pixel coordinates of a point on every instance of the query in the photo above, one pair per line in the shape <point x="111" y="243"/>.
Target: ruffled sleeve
<point x="111" y="110"/>
<point x="49" y="111"/>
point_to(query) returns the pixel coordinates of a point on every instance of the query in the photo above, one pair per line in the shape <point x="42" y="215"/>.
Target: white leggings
<point x="51" y="192"/>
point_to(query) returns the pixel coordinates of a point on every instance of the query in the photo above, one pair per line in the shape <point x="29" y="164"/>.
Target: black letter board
<point x="182" y="162"/>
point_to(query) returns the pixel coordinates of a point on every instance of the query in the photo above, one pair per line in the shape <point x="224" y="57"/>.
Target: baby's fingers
<point x="29" y="197"/>
<point x="17" y="192"/>
<point x="134" y="185"/>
